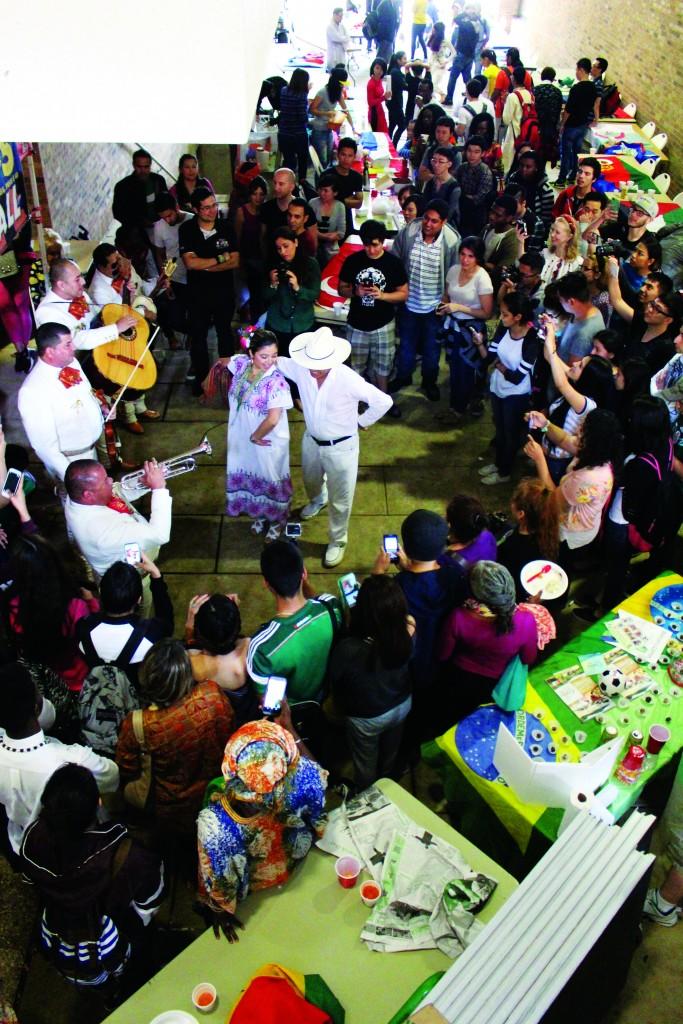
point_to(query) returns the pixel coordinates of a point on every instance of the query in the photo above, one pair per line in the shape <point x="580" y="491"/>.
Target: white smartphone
<point x="132" y="553"/>
<point x="390" y="545"/>
<point x="12" y="483"/>
<point x="274" y="695"/>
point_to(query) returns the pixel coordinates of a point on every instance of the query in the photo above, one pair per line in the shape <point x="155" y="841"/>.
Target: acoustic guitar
<point x="116" y="359"/>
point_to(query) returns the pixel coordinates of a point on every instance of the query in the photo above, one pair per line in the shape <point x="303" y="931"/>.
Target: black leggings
<point x="418" y="36"/>
<point x="397" y="123"/>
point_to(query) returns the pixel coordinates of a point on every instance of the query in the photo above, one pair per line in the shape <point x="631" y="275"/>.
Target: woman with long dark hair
<point x="99" y="889"/>
<point x="481" y="637"/>
<point x="586" y="487"/>
<point x="292" y="125"/>
<point x="513" y="352"/>
<point x="466" y="305"/>
<point x="43" y="606"/>
<point x="376" y="95"/>
<point x="397" y="120"/>
<point x="370" y="676"/>
<point x="294" y="288"/>
<point x="218" y="651"/>
<point x="644" y="514"/>
<point x="326" y="115"/>
<point x="187" y="181"/>
<point x="249" y="230"/>
<point x="585" y="385"/>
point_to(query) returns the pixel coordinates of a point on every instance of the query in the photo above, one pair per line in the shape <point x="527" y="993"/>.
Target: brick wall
<point x="641" y="39"/>
<point x="80" y="177"/>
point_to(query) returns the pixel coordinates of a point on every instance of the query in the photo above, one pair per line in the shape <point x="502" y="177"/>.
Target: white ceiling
<point x="76" y="71"/>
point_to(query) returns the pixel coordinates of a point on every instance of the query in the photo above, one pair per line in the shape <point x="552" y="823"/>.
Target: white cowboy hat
<point x="319" y="350"/>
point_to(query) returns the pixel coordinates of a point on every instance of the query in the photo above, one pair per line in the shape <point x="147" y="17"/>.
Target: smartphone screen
<point x="132" y="553"/>
<point x="391" y="545"/>
<point x="12" y="482"/>
<point x="274" y="695"/>
<point x="349" y="587"/>
<point x="293" y="530"/>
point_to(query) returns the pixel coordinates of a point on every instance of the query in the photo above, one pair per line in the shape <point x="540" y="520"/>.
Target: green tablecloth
<point x="485" y="811"/>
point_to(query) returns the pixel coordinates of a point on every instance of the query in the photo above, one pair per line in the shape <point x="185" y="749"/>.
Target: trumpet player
<point x="104" y="525"/>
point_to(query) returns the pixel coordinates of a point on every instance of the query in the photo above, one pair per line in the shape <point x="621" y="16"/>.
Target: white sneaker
<point x="333" y="555"/>
<point x="312" y="509"/>
<point x="495" y="478"/>
<point x="488" y="470"/>
<point x="667" y="918"/>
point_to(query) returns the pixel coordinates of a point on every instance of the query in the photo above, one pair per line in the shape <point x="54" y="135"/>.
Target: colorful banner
<point x="13" y="203"/>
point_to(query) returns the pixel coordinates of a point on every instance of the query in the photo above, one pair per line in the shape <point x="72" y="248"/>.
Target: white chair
<point x="648" y="166"/>
<point x="317" y="166"/>
<point x="663" y="182"/>
<point x="678" y="199"/>
<point x="649" y="129"/>
<point x="660" y="140"/>
<point x="630" y="109"/>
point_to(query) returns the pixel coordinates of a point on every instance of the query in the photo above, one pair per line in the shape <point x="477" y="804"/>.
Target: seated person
<point x="99" y="889"/>
<point x="218" y="651"/>
<point x="28" y="758"/>
<point x="262" y="821"/>
<point x="469" y="538"/>
<point x="480" y="638"/>
<point x="117" y="634"/>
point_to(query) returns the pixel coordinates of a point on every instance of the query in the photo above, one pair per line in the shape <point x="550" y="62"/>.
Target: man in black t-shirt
<point x="349" y="182"/>
<point x="581" y="110"/>
<point x="376" y="283"/>
<point x="134" y="196"/>
<point x="209" y="251"/>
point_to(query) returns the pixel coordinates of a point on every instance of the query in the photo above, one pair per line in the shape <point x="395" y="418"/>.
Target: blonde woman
<point x="561" y="255"/>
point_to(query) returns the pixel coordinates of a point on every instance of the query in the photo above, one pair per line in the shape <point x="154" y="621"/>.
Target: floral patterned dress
<point x="258" y="480"/>
<point x="238" y="855"/>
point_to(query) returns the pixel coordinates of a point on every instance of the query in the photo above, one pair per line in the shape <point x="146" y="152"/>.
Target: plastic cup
<point x="348" y="870"/>
<point x="204" y="997"/>
<point x="658" y="736"/>
<point x="370" y="892"/>
<point x="338" y="309"/>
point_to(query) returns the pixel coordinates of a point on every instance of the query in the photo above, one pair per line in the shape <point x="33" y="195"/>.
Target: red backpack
<point x="529" y="129"/>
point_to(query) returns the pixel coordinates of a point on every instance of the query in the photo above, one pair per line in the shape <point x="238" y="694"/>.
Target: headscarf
<point x="493" y="585"/>
<point x="256" y="760"/>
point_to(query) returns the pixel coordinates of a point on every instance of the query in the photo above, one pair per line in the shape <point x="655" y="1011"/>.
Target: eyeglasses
<point x="658" y="309"/>
<point x="208" y="206"/>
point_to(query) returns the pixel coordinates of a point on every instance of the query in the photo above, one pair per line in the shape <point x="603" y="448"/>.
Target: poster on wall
<point x="13" y="204"/>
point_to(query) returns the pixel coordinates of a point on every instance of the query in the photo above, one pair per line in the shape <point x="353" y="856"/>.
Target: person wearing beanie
<point x="431" y="591"/>
<point x="480" y="638"/>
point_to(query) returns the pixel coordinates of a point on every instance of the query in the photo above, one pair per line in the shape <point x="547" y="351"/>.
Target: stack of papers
<point x="429" y="892"/>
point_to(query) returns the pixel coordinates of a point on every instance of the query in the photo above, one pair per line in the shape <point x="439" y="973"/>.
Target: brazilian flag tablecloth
<point x="485" y="810"/>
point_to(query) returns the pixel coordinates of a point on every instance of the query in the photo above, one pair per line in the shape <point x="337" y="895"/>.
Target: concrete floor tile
<point x="193" y="544"/>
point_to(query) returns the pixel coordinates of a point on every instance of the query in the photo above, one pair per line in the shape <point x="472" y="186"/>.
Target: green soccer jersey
<point x="296" y="647"/>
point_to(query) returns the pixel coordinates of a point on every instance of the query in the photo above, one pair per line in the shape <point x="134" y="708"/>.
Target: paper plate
<point x="666" y="609"/>
<point x="174" y="1017"/>
<point x="550" y="585"/>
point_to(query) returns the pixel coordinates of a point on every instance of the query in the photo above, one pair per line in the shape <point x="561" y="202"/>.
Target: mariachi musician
<point x="113" y="287"/>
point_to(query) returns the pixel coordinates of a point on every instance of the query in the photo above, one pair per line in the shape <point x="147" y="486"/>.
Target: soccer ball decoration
<point x="612" y="682"/>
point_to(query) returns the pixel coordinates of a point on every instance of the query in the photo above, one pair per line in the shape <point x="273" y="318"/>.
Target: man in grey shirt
<point x="577" y="337"/>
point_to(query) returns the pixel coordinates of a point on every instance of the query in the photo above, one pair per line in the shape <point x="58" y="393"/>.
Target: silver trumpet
<point x="133" y="487"/>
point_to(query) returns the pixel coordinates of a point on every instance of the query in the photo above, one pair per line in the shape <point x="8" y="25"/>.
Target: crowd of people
<point x="548" y="303"/>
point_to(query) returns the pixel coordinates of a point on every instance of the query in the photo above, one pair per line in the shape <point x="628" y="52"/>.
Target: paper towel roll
<point x="580" y="802"/>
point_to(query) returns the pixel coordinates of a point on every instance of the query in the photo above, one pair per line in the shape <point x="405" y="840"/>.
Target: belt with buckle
<point x="331" y="444"/>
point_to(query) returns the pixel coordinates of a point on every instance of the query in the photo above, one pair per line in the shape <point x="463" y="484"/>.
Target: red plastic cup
<point x="370" y="892"/>
<point x="658" y="736"/>
<point x="348" y="870"/>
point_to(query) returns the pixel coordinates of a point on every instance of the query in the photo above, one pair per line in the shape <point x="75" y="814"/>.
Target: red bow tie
<point x="119" y="505"/>
<point x="70" y="376"/>
<point x="78" y="308"/>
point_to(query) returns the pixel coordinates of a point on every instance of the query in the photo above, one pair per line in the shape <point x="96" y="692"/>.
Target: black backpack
<point x="370" y="25"/>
